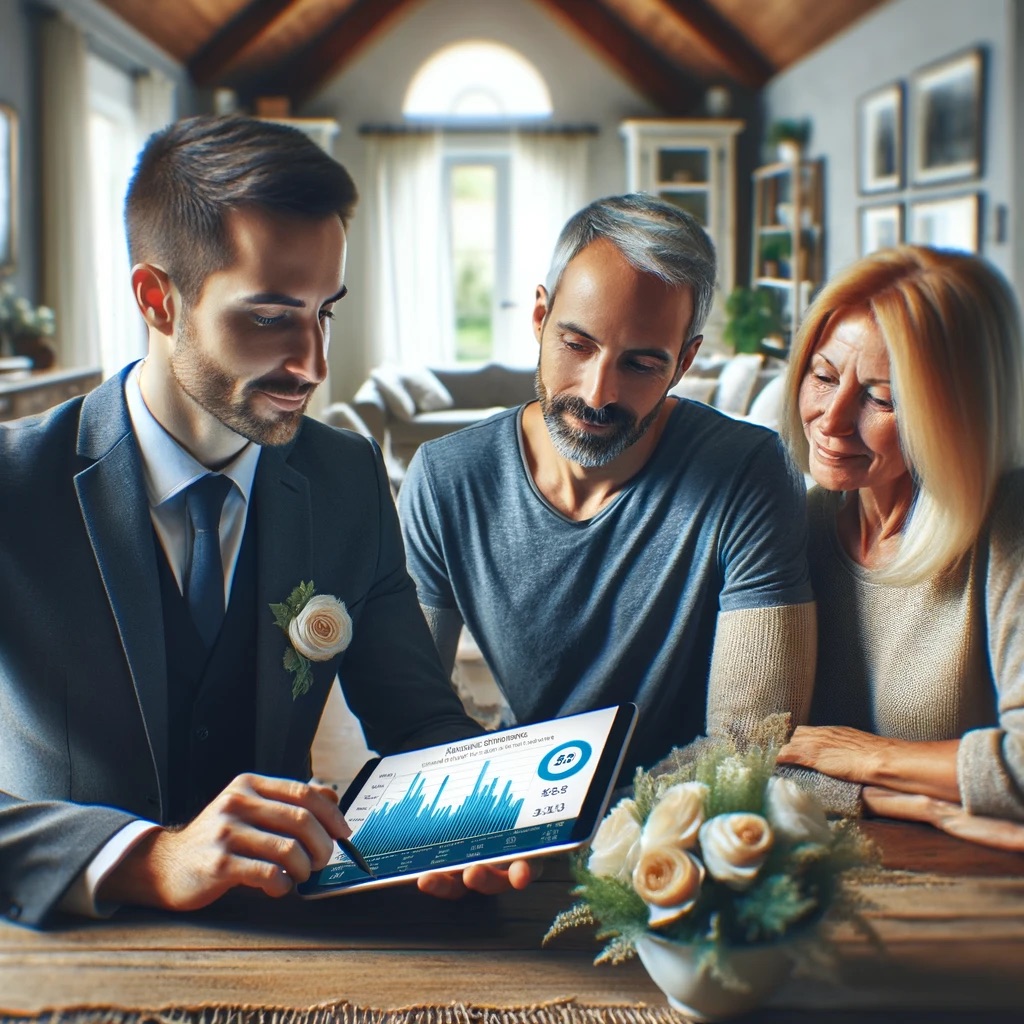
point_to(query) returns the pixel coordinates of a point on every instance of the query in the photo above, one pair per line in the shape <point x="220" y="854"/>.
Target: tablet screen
<point x="529" y="789"/>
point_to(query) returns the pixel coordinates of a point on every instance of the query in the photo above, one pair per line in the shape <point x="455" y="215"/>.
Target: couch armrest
<point x="369" y="405"/>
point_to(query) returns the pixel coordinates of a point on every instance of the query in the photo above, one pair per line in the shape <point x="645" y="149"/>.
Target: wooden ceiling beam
<point x="313" y="64"/>
<point x="636" y="59"/>
<point x="740" y="58"/>
<point x="210" y="60"/>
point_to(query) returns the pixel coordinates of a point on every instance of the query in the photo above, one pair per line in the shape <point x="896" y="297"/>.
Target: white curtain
<point x="412" y="317"/>
<point x="549" y="184"/>
<point x="154" y="103"/>
<point x="67" y="236"/>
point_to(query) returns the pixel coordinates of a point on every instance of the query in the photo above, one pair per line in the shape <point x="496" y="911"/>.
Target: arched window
<point x="477" y="80"/>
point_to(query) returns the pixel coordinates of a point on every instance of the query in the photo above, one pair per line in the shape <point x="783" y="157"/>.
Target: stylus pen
<point x="355" y="856"/>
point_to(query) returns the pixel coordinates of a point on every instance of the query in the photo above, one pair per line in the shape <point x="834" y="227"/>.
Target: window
<point x="477" y="80"/>
<point x="112" y="150"/>
<point x="478" y="203"/>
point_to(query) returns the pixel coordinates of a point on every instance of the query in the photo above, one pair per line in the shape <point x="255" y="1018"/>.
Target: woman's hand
<point x="949" y="817"/>
<point x="928" y="768"/>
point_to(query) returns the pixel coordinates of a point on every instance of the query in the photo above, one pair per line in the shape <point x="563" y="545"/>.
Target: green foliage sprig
<point x="284" y="613"/>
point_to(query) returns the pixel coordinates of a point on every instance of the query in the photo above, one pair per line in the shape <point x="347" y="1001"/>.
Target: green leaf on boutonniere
<point x="295" y="602"/>
<point x="295" y="662"/>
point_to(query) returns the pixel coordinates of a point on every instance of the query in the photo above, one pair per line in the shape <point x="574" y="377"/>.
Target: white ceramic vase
<point x="694" y="991"/>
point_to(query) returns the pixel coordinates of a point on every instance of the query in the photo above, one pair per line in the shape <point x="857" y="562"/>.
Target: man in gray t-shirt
<point x="607" y="543"/>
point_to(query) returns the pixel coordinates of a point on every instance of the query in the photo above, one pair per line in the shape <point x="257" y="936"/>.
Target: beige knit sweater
<point x="939" y="660"/>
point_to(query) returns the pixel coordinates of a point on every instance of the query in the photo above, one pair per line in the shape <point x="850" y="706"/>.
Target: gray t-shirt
<point x="621" y="607"/>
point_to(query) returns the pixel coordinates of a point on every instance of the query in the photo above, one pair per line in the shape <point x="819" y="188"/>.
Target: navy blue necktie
<point x="205" y="590"/>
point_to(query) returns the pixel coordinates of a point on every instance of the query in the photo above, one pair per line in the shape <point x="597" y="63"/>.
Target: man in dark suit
<point x="152" y="749"/>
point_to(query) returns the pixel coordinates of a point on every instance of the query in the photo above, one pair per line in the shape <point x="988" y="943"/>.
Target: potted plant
<point x="789" y="136"/>
<point x="776" y="251"/>
<point x="713" y="870"/>
<point x="752" y="315"/>
<point x="24" y="328"/>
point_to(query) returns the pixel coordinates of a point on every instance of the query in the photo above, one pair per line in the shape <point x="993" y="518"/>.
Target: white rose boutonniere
<point x="318" y="627"/>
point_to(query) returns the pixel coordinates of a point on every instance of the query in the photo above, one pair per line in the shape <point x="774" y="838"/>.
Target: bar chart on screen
<point x="503" y="792"/>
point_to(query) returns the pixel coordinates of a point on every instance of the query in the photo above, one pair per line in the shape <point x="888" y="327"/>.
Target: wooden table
<point x="951" y="916"/>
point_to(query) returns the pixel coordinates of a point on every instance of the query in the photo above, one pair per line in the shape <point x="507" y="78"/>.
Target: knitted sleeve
<point x="990" y="765"/>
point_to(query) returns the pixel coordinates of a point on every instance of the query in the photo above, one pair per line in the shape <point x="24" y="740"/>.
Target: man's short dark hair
<point x="191" y="173"/>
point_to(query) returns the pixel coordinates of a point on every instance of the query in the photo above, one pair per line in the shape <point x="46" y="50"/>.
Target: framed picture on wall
<point x="947" y="111"/>
<point x="880" y="227"/>
<point x="949" y="223"/>
<point x="880" y="140"/>
<point x="8" y="187"/>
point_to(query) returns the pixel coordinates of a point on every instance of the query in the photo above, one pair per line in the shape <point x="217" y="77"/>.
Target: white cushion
<point x="697" y="389"/>
<point x="396" y="396"/>
<point x="736" y="382"/>
<point x="767" y="407"/>
<point x="429" y="394"/>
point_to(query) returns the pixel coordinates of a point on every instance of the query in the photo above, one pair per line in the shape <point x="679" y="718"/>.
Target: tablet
<point x="517" y="792"/>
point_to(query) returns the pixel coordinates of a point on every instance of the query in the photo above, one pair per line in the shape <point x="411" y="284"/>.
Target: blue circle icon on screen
<point x="564" y="760"/>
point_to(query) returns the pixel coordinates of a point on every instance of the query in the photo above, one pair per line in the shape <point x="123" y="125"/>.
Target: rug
<point x="561" y="1012"/>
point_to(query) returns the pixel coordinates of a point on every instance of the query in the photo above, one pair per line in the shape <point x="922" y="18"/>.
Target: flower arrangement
<point x="318" y="627"/>
<point x="717" y="853"/>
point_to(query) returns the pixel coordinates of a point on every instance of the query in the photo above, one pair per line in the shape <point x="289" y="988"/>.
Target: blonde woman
<point x="905" y="403"/>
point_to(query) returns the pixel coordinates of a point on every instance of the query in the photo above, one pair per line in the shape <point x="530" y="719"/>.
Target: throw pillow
<point x="767" y="407"/>
<point x="736" y="382"/>
<point x="429" y="394"/>
<point x="697" y="389"/>
<point x="393" y="390"/>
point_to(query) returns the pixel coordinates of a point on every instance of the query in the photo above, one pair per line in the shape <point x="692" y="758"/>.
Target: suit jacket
<point x="83" y="680"/>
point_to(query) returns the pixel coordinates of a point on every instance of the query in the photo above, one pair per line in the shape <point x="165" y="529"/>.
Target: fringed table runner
<point x="560" y="1012"/>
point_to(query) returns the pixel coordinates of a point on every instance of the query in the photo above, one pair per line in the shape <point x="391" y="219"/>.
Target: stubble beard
<point x="585" y="449"/>
<point x="228" y="398"/>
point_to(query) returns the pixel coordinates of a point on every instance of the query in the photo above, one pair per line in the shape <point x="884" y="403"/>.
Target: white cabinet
<point x="691" y="163"/>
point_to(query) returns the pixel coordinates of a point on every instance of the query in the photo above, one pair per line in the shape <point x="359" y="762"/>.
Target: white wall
<point x="370" y="90"/>
<point x="888" y="46"/>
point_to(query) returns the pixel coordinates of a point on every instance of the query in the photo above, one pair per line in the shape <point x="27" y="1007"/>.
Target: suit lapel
<point x="115" y="509"/>
<point x="284" y="559"/>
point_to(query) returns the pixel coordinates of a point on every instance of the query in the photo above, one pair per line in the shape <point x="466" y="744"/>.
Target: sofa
<point x="401" y="407"/>
<point x="746" y="386"/>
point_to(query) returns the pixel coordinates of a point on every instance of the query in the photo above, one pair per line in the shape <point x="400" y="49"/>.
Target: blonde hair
<point x="952" y="328"/>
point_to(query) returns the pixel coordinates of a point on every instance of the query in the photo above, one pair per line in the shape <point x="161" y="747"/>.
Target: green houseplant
<point x="789" y="137"/>
<point x="752" y="315"/>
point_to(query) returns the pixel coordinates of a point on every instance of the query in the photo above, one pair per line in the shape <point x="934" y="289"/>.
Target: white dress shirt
<point x="167" y="470"/>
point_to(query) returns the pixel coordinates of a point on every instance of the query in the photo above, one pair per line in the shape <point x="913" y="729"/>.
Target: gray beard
<point x="590" y="450"/>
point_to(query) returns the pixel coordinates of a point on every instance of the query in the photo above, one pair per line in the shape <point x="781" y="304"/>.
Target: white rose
<point x="322" y="629"/>
<point x="616" y="846"/>
<point x="668" y="880"/>
<point x="795" y="813"/>
<point x="676" y="818"/>
<point x="735" y="846"/>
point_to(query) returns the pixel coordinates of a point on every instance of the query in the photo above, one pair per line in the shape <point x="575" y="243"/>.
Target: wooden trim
<point x="218" y="52"/>
<point x="740" y="58"/>
<point x="630" y="54"/>
<point x="316" y="62"/>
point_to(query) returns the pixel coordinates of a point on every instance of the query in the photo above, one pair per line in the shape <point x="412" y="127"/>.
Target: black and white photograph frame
<point x="947" y="112"/>
<point x="881" y="227"/>
<point x="880" y="140"/>
<point x="8" y="188"/>
<point x="951" y="222"/>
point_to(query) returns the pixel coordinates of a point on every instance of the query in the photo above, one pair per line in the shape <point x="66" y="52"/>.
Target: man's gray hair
<point x="653" y="236"/>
